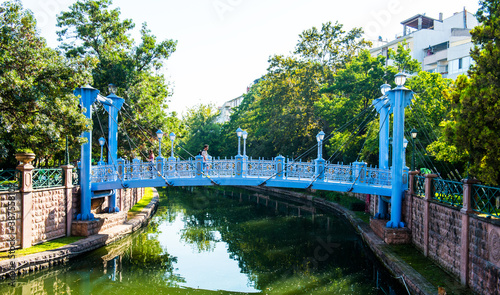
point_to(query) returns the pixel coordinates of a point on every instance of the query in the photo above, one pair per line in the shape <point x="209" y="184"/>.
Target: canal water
<point x="215" y="241"/>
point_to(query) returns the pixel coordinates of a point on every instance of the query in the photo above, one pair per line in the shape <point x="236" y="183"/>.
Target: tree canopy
<point x="90" y="28"/>
<point x="473" y="125"/>
<point x="37" y="107"/>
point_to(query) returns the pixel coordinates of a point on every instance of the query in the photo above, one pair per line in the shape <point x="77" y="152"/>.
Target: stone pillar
<point x="68" y="188"/>
<point x="26" y="190"/>
<point x="464" y="234"/>
<point x="429" y="193"/>
<point x="410" y="194"/>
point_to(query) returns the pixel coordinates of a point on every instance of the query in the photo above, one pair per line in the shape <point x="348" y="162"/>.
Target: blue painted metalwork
<point x="277" y="172"/>
<point x="400" y="97"/>
<point x="87" y="95"/>
<point x="383" y="107"/>
<point x="244" y="171"/>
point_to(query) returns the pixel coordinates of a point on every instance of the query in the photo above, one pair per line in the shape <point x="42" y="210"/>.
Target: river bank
<point x="114" y="230"/>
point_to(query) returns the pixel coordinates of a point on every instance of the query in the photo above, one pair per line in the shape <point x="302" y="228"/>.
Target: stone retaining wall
<point x="6" y="199"/>
<point x="48" y="215"/>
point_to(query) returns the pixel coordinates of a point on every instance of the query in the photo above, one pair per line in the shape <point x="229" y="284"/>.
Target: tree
<point x="403" y="60"/>
<point x="201" y="129"/>
<point x="90" y="29"/>
<point x="474" y="122"/>
<point x="37" y="107"/>
<point x="331" y="46"/>
<point x="352" y="92"/>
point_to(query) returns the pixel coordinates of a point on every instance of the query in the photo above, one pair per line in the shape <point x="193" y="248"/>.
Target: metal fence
<point x="9" y="179"/>
<point x="486" y="200"/>
<point x="420" y="186"/>
<point x="448" y="191"/>
<point x="44" y="178"/>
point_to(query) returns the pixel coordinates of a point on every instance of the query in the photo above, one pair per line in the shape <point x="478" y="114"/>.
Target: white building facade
<point x="440" y="45"/>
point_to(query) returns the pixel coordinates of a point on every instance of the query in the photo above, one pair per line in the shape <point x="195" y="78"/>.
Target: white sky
<point x="223" y="45"/>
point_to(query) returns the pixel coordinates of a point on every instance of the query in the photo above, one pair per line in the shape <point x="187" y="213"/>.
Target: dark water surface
<point x="209" y="241"/>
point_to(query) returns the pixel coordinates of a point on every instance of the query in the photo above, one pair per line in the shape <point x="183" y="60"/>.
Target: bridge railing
<point x="299" y="170"/>
<point x="338" y="173"/>
<point x="220" y="167"/>
<point x="260" y="168"/>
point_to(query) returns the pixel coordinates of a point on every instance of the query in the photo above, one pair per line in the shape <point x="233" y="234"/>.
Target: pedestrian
<point x="151" y="156"/>
<point x="204" y="153"/>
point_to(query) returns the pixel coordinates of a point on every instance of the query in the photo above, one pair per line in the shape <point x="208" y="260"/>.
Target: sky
<point x="224" y="45"/>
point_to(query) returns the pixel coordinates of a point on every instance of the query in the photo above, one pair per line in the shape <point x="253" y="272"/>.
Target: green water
<point x="208" y="241"/>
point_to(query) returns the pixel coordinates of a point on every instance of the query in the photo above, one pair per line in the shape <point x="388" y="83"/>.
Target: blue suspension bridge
<point x="101" y="180"/>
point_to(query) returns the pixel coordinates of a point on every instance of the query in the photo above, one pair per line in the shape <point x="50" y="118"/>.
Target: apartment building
<point x="440" y="45"/>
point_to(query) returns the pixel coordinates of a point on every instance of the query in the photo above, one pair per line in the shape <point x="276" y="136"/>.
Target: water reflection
<point x="203" y="241"/>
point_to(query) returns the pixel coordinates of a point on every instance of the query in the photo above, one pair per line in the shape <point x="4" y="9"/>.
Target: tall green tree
<point x="37" y="107"/>
<point x="201" y="128"/>
<point x="474" y="123"/>
<point x="281" y="117"/>
<point x="403" y="60"/>
<point x="92" y="29"/>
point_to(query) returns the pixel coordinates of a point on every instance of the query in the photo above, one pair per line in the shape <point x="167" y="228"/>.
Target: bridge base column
<point x="391" y="236"/>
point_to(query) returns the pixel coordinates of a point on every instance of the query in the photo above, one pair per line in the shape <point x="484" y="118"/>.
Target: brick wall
<point x="484" y="256"/>
<point x="5" y="233"/>
<point x="445" y="225"/>
<point x="48" y="215"/>
<point x="417" y="223"/>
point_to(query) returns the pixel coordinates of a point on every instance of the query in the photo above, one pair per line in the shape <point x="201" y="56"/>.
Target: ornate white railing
<point x="278" y="168"/>
<point x="260" y="168"/>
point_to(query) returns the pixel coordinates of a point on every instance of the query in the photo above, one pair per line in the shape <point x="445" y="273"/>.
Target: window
<point x="460" y="63"/>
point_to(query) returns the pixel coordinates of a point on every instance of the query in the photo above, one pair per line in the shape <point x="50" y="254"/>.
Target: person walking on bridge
<point x="204" y="154"/>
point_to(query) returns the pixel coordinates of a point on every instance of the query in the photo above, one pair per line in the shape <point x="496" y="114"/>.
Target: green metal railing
<point x="486" y="200"/>
<point x="76" y="176"/>
<point x="447" y="191"/>
<point x="9" y="179"/>
<point x="420" y="186"/>
<point x="44" y="178"/>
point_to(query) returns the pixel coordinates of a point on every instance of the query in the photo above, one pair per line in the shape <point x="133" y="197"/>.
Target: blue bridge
<point x="101" y="180"/>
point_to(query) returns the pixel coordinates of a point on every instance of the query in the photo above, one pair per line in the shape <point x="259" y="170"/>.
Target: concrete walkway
<point x="42" y="260"/>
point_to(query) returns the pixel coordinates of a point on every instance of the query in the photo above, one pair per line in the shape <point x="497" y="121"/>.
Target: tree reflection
<point x="273" y="249"/>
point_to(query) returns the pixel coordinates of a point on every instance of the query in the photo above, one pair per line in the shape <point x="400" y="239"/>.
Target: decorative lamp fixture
<point x="414" y="133"/>
<point x="405" y="143"/>
<point x="239" y="132"/>
<point x="159" y="134"/>
<point x="400" y="79"/>
<point x="320" y="136"/>
<point x="112" y="88"/>
<point x="172" y="139"/>
<point x="384" y="88"/>
<point x="244" y="135"/>
<point x="102" y="141"/>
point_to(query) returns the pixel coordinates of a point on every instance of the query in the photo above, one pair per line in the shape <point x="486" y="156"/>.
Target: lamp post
<point x="244" y="135"/>
<point x="172" y="139"/>
<point x="405" y="144"/>
<point x="413" y="138"/>
<point x="239" y="132"/>
<point x="319" y="137"/>
<point x="102" y="141"/>
<point x="159" y="134"/>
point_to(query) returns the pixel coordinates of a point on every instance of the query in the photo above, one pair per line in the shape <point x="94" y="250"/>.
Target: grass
<point x="427" y="268"/>
<point x="146" y="199"/>
<point x="50" y="245"/>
